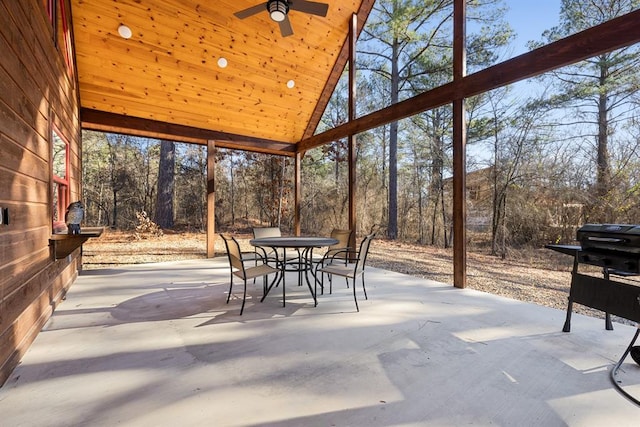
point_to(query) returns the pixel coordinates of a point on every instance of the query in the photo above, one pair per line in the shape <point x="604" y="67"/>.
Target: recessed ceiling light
<point x="222" y="62"/>
<point x="124" y="31"/>
<point x="291" y="84"/>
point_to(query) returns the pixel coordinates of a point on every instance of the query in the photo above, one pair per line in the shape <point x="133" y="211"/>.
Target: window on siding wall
<point x="63" y="35"/>
<point x="60" y="160"/>
<point x="50" y="7"/>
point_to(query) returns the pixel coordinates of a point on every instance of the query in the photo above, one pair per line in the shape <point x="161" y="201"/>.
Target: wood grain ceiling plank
<point x="127" y="90"/>
<point x="140" y="60"/>
<point x="170" y="34"/>
<point x="240" y="124"/>
<point x="137" y="68"/>
<point x="240" y="75"/>
<point x="167" y="36"/>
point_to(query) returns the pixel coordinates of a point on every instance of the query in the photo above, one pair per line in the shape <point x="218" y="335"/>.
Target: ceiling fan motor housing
<point x="278" y="9"/>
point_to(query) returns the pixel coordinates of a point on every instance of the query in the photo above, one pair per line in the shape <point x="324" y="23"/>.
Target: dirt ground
<point x="537" y="276"/>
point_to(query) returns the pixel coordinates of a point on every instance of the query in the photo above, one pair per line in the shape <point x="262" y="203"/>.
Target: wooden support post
<point x="297" y="194"/>
<point x="211" y="199"/>
<point x="459" y="197"/>
<point x="459" y="151"/>
<point x="352" y="138"/>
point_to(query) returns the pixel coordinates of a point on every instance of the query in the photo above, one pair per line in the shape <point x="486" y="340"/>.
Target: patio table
<point x="302" y="264"/>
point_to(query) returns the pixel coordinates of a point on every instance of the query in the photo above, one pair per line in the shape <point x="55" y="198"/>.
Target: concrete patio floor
<point x="156" y="345"/>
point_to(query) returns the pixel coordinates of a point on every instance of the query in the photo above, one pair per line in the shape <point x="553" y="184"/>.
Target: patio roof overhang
<point x="165" y="81"/>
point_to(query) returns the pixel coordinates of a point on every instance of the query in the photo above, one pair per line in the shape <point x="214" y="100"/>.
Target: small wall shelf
<point x="64" y="244"/>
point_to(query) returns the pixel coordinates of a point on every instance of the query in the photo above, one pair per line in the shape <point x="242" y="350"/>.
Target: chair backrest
<point x="260" y="232"/>
<point x="233" y="252"/>
<point x="343" y="237"/>
<point x="363" y="252"/>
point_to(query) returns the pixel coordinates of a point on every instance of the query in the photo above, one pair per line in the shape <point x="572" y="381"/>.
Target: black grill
<point x="615" y="248"/>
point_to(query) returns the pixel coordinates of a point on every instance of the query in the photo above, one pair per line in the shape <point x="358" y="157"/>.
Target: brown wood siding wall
<point x="35" y="90"/>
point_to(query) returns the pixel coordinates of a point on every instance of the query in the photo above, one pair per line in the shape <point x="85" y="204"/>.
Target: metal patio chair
<point x="272" y="255"/>
<point x="237" y="260"/>
<point x="269" y="254"/>
<point x="343" y="237"/>
<point x="349" y="270"/>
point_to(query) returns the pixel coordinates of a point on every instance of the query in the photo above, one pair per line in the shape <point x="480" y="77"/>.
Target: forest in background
<point x="543" y="158"/>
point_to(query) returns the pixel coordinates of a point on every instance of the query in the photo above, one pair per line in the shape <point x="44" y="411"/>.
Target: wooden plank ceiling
<point x="165" y="81"/>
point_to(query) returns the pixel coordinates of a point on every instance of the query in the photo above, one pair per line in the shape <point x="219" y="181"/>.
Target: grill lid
<point x="610" y="237"/>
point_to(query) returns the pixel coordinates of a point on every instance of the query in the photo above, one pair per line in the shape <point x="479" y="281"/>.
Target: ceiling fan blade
<point x="285" y="27"/>
<point x="251" y="11"/>
<point x="311" y="7"/>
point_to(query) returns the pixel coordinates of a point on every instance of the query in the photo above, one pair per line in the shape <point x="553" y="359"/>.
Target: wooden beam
<point x="118" y="123"/>
<point x="614" y="34"/>
<point x="338" y="68"/>
<point x="288" y="151"/>
<point x="211" y="199"/>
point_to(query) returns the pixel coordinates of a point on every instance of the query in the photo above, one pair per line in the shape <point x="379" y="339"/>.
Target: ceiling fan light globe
<point x="278" y="10"/>
<point x="277" y="16"/>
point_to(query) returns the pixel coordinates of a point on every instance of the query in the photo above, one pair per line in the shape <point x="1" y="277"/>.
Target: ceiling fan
<point x="279" y="10"/>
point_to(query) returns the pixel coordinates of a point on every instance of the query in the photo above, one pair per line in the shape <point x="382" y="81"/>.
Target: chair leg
<point x="230" y="286"/>
<point x="315" y="276"/>
<point x="264" y="285"/>
<point x="346" y="262"/>
<point x="255" y="264"/>
<point x="330" y="282"/>
<point x="363" y="288"/>
<point x="244" y="297"/>
<point x="354" y="295"/>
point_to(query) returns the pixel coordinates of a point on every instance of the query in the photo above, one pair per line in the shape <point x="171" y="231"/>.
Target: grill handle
<point x="606" y="239"/>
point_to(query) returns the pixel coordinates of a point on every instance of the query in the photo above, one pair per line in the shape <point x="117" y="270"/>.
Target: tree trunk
<point x="434" y="218"/>
<point x="166" y="173"/>
<point x="603" y="170"/>
<point x="444" y="216"/>
<point x="281" y="192"/>
<point x="437" y="185"/>
<point x="114" y="224"/>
